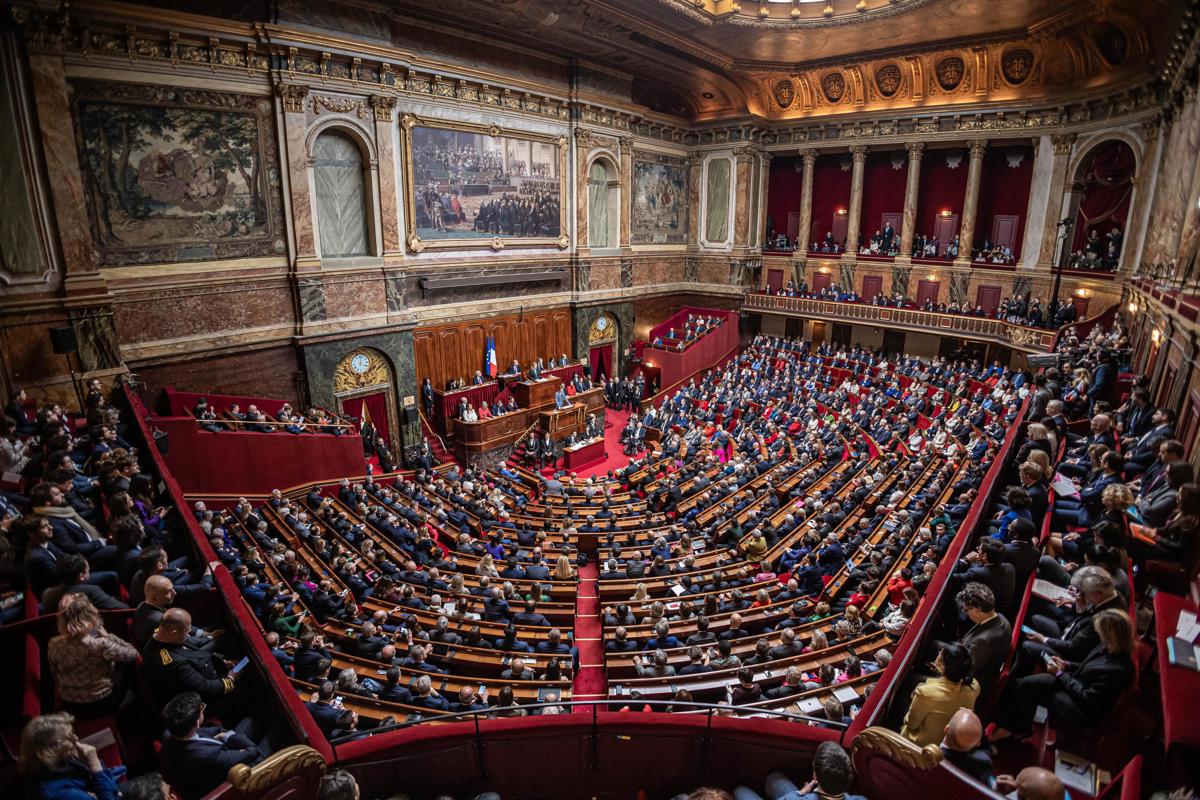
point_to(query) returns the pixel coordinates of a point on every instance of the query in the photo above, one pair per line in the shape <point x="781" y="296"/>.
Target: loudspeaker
<point x="410" y="417"/>
<point x="162" y="441"/>
<point x="63" y="340"/>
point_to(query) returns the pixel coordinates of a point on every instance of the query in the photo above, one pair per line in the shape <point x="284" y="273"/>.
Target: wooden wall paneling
<point x="456" y="349"/>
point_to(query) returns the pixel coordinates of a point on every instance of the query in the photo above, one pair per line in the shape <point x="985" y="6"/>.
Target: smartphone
<point x="482" y="688"/>
<point x="239" y="666"/>
<point x="1047" y="658"/>
<point x="1025" y="629"/>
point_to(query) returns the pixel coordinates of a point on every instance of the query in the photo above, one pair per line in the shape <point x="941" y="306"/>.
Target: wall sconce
<point x="945" y="212"/>
<point x="824" y="270"/>
<point x="1156" y="336"/>
<point x="841" y="212"/>
<point x="930" y="277"/>
<point x="1081" y="292"/>
<point x="1133" y="307"/>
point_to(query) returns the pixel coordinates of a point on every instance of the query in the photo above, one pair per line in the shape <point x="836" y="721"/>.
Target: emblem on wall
<point x="784" y="92"/>
<point x="950" y="72"/>
<point x="1017" y="65"/>
<point x="887" y="80"/>
<point x="834" y="86"/>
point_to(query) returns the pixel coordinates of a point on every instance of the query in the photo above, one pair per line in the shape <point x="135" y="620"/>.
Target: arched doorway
<point x="602" y="345"/>
<point x="364" y="389"/>
<point x="1103" y="185"/>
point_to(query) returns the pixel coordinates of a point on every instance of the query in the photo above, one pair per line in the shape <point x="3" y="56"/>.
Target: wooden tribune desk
<point x="560" y="423"/>
<point x="532" y="394"/>
<point x="584" y="454"/>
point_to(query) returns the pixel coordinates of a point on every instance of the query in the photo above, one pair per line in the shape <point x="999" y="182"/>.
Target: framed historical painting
<point x="482" y="186"/>
<point x="174" y="174"/>
<point x="660" y="201"/>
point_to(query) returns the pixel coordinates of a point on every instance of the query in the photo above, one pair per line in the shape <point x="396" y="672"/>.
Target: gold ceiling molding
<point x="998" y="71"/>
<point x="794" y="15"/>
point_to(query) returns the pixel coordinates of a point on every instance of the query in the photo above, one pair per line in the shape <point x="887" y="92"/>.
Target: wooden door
<point x="944" y="230"/>
<point x="989" y="298"/>
<point x="1191" y="420"/>
<point x="927" y="290"/>
<point x="793" y="228"/>
<point x="818" y="333"/>
<point x="774" y="280"/>
<point x="840" y="221"/>
<point x="793" y="328"/>
<point x="821" y="280"/>
<point x="1081" y="307"/>
<point x="872" y="286"/>
<point x="1166" y="385"/>
<point x="893" y="341"/>
<point x="1004" y="230"/>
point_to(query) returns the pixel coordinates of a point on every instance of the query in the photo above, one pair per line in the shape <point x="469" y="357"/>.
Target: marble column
<point x="626" y="188"/>
<point x="384" y="107"/>
<point x="695" y="174"/>
<point x="912" y="187"/>
<point x="292" y="98"/>
<point x="744" y="163"/>
<point x="1035" y="209"/>
<point x="1057" y="199"/>
<point x="859" y="153"/>
<point x="809" y="160"/>
<point x="583" y="145"/>
<point x="53" y="103"/>
<point x="763" y="186"/>
<point x="966" y="234"/>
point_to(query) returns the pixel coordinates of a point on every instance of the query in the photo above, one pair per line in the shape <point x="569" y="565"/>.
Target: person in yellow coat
<point x="937" y="699"/>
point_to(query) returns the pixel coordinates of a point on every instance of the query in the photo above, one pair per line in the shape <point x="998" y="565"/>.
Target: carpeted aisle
<point x="615" y="457"/>
<point x="589" y="682"/>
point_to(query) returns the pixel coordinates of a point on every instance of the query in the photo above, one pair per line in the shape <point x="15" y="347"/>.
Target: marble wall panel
<point x="356" y="296"/>
<point x="269" y="372"/>
<point x="606" y="275"/>
<point x="196" y="311"/>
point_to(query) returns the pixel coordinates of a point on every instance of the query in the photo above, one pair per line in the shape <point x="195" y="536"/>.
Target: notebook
<point x="1182" y="653"/>
<point x="1076" y="773"/>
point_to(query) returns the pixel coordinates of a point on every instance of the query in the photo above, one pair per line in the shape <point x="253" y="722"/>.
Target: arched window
<point x="341" y="196"/>
<point x="603" y="213"/>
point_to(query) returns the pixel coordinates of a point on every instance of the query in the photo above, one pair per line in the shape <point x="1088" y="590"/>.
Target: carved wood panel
<point x="456" y="349"/>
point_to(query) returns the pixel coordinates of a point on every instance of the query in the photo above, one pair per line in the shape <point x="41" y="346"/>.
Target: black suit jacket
<point x="1024" y="557"/>
<point x="988" y="643"/>
<point x="41" y="567"/>
<point x="194" y="767"/>
<point x="1096" y="683"/>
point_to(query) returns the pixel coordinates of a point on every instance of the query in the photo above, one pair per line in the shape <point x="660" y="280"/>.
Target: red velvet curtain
<point x="1109" y="187"/>
<point x="883" y="191"/>
<point x="375" y="406"/>
<point x="783" y="191"/>
<point x="600" y="361"/>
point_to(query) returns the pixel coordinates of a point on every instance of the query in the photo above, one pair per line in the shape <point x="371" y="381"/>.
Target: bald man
<point x="160" y="595"/>
<point x="170" y="666"/>
<point x="960" y="746"/>
<point x="1032" y="783"/>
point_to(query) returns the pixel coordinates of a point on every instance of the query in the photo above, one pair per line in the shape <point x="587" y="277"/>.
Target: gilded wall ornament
<point x="359" y="369"/>
<point x="950" y="72"/>
<point x="887" y="80"/>
<point x="834" y="86"/>
<point x="603" y="329"/>
<point x="1017" y="65"/>
<point x="785" y="92"/>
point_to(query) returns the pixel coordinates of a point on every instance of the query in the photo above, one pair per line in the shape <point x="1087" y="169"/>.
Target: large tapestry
<point x="484" y="184"/>
<point x="175" y="174"/>
<point x="659" y="202"/>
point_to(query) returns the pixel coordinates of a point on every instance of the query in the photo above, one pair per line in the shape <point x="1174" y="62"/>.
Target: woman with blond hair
<point x="563" y="571"/>
<point x="57" y="766"/>
<point x="487" y="566"/>
<point x="1078" y="694"/>
<point x="87" y="661"/>
<point x="640" y="595"/>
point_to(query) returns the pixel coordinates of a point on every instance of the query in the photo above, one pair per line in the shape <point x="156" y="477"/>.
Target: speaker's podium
<point x="560" y="423"/>
<point x="532" y="394"/>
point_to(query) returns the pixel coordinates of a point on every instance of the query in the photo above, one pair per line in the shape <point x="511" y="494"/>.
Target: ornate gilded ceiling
<point x="789" y="59"/>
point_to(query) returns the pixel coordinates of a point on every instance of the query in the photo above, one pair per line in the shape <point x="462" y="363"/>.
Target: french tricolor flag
<point x="489" y="358"/>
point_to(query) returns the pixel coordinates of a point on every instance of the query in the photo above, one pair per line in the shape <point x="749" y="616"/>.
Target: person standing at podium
<point x="561" y="400"/>
<point x="535" y="372"/>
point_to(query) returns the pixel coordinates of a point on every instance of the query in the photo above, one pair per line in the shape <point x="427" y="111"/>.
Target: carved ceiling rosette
<point x="950" y="72"/>
<point x="784" y="92"/>
<point x="834" y="87"/>
<point x="1017" y="65"/>
<point x="887" y="80"/>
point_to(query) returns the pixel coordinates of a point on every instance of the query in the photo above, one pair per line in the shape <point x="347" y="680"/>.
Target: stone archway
<point x="364" y="388"/>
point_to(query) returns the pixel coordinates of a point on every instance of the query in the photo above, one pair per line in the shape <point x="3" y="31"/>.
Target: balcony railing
<point x="1018" y="337"/>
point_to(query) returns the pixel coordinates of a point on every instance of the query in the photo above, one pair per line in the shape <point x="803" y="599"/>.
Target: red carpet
<point x="590" y="683"/>
<point x="615" y="457"/>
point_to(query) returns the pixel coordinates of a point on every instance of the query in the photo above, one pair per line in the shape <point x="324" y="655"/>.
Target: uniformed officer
<point x="171" y="667"/>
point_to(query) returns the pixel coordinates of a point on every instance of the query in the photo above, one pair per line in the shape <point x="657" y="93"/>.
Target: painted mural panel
<point x="481" y="184"/>
<point x="716" y="203"/>
<point x="660" y="198"/>
<point x="176" y="174"/>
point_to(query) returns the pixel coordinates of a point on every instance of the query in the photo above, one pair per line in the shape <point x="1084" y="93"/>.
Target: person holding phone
<point x="170" y="666"/>
<point x="196" y="758"/>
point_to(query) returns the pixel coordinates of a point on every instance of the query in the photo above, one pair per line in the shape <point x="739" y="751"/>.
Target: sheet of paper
<point x="1063" y="487"/>
<point x="1187" y="628"/>
<point x="1048" y="590"/>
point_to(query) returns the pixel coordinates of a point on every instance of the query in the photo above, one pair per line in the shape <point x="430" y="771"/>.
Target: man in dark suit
<point x="990" y="636"/>
<point x="1141" y="453"/>
<point x="42" y="556"/>
<point x="309" y="655"/>
<point x="196" y="759"/>
<point x="72" y="533"/>
<point x="988" y="566"/>
<point x="1094" y="591"/>
<point x="1137" y="416"/>
<point x="73" y="574"/>
<point x="1021" y="552"/>
<point x="160" y="594"/>
<point x="1155" y="476"/>
<point x="324" y="709"/>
